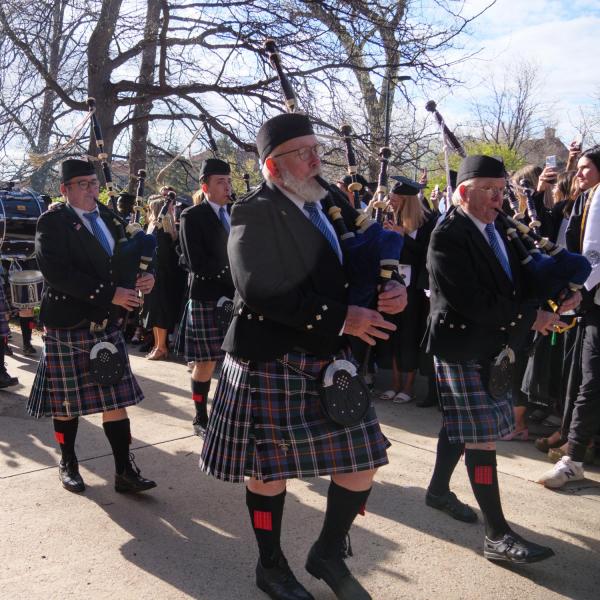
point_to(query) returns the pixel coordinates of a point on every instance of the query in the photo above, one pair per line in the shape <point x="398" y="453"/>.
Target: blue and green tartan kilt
<point x="267" y="422"/>
<point x="62" y="385"/>
<point x="4" y="311"/>
<point x="199" y="337"/>
<point x="470" y="414"/>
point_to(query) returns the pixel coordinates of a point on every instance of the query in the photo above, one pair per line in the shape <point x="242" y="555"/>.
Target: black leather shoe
<point x="279" y="582"/>
<point x="334" y="572"/>
<point x="513" y="548"/>
<point x="199" y="426"/>
<point x="29" y="350"/>
<point x="450" y="504"/>
<point x="6" y="380"/>
<point x="68" y="473"/>
<point x="131" y="480"/>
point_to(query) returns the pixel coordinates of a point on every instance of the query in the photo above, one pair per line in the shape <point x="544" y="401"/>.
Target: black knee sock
<point x="119" y="436"/>
<point x="200" y="391"/>
<point x="446" y="459"/>
<point x="266" y="513"/>
<point x="481" y="466"/>
<point x="27" y="324"/>
<point x="65" y="433"/>
<point x="342" y="507"/>
<point x="2" y="365"/>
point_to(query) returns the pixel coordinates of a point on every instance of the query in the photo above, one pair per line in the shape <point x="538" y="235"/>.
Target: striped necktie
<point x="223" y="218"/>
<point x="319" y="223"/>
<point x="92" y="217"/>
<point x="493" y="238"/>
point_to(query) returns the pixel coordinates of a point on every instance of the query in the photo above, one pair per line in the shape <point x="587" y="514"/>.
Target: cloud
<point x="558" y="36"/>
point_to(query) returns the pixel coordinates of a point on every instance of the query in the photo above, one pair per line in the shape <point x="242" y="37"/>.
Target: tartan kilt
<point x="470" y="414"/>
<point x="266" y="422"/>
<point x="4" y="313"/>
<point x="62" y="386"/>
<point x="199" y="337"/>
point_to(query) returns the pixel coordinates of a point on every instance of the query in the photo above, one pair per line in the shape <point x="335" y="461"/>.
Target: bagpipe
<point x="555" y="273"/>
<point x="371" y="253"/>
<point x="135" y="247"/>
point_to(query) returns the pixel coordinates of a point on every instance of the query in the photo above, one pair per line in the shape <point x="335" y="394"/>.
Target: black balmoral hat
<point x="75" y="167"/>
<point x="280" y="129"/>
<point x="214" y="166"/>
<point x="480" y="165"/>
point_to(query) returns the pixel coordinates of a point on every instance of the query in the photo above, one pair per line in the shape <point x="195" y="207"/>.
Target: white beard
<point x="306" y="189"/>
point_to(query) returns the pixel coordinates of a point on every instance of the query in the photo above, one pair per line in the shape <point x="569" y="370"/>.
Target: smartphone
<point x="578" y="140"/>
<point x="551" y="161"/>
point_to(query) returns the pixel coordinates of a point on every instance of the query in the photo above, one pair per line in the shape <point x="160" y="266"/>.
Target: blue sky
<point x="560" y="37"/>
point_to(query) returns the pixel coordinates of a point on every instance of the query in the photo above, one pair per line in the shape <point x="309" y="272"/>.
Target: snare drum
<point x="26" y="288"/>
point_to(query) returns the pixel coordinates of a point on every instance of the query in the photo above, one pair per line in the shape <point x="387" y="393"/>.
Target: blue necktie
<point x="92" y="217"/>
<point x="491" y="233"/>
<point x="223" y="218"/>
<point x="317" y="221"/>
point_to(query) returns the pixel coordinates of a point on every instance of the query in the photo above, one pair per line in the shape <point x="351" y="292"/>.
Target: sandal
<point x="157" y="354"/>
<point x="389" y="395"/>
<point x="402" y="398"/>
<point x="522" y="435"/>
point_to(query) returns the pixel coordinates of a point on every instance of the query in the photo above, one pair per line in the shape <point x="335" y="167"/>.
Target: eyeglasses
<point x="85" y="184"/>
<point x="490" y="191"/>
<point x="305" y="152"/>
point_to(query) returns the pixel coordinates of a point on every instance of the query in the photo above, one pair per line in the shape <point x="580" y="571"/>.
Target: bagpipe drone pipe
<point x="371" y="253"/>
<point x="554" y="273"/>
<point x="135" y="247"/>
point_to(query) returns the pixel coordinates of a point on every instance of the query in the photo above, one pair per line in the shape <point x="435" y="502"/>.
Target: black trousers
<point x="585" y="419"/>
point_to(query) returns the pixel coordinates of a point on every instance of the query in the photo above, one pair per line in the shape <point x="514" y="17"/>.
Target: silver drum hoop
<point x="26" y="288"/>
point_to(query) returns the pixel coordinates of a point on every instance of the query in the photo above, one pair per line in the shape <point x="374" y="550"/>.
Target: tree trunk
<point x="139" y="130"/>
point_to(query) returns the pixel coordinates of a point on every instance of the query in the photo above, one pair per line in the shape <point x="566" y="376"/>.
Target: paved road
<point x="190" y="538"/>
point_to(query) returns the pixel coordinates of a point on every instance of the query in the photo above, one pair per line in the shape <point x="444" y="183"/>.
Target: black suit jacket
<point x="291" y="290"/>
<point x="203" y="241"/>
<point x="80" y="276"/>
<point x="475" y="308"/>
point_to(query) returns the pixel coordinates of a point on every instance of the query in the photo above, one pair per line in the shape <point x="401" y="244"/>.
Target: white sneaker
<point x="564" y="470"/>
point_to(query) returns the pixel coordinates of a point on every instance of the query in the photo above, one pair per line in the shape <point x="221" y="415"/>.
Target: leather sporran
<point x="224" y="312"/>
<point x="106" y="364"/>
<point x="345" y="396"/>
<point x="501" y="374"/>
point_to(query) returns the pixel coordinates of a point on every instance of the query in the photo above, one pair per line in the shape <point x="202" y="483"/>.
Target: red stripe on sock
<point x="199" y="398"/>
<point x="484" y="475"/>
<point x="263" y="520"/>
<point x="362" y="510"/>
<point x="31" y="324"/>
<point x="59" y="437"/>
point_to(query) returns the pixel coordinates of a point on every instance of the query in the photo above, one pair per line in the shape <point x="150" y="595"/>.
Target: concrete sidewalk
<point x="190" y="538"/>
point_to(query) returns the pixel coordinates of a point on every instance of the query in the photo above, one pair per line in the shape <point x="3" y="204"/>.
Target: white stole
<point x="591" y="240"/>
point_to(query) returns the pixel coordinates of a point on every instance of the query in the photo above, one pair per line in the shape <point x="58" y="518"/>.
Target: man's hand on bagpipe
<point x="127" y="298"/>
<point x="393" y="299"/>
<point x="145" y="283"/>
<point x="367" y="324"/>
<point x="547" y="322"/>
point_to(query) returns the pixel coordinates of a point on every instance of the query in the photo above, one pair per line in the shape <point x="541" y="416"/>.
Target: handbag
<point x="501" y="374"/>
<point x="345" y="396"/>
<point x="106" y="364"/>
<point x="224" y="312"/>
